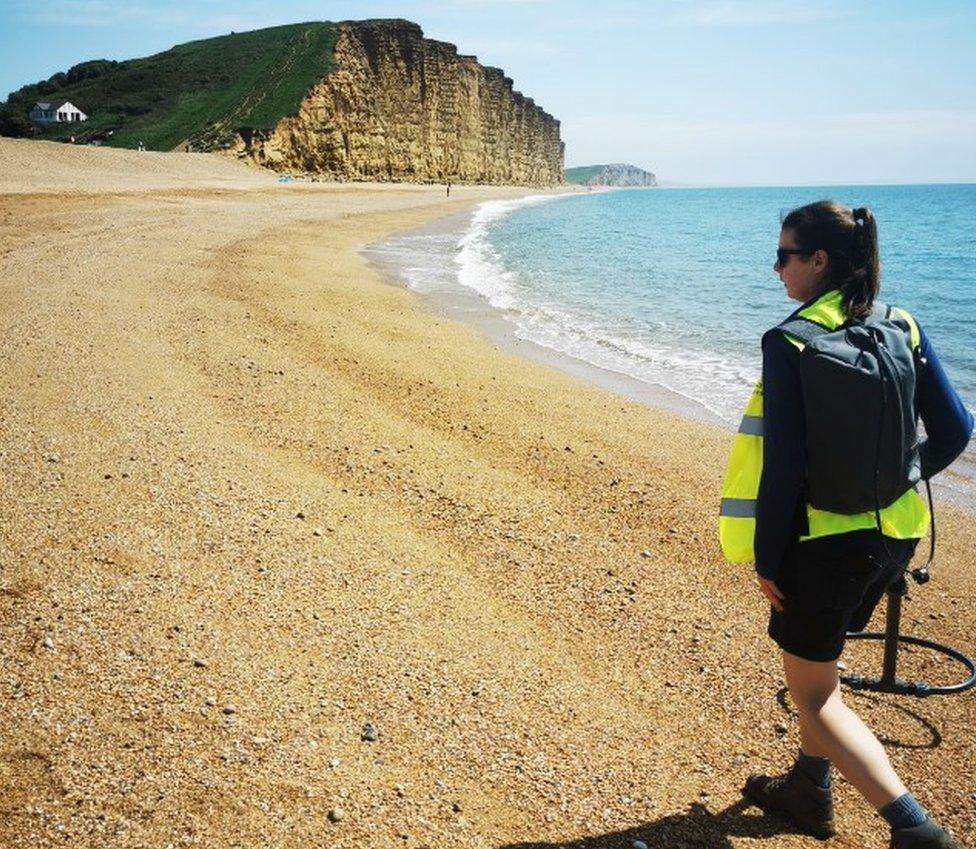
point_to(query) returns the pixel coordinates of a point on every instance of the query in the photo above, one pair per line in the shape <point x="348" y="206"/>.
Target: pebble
<point x="780" y="728"/>
<point x="645" y="553"/>
<point x="259" y="741"/>
<point x="370" y="734"/>
<point x="210" y="701"/>
<point x="200" y="663"/>
<point x="229" y="709"/>
<point x="334" y="763"/>
<point x="317" y="532"/>
<point x="400" y="790"/>
<point x="640" y="844"/>
<point x="299" y="515"/>
<point x="336" y="814"/>
<point x="841" y="665"/>
<point x="47" y="642"/>
<point x="456" y="807"/>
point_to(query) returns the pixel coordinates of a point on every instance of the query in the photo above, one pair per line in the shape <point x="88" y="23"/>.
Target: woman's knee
<point x="812" y="684"/>
<point x="813" y="701"/>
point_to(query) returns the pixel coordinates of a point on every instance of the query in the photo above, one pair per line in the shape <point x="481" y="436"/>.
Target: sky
<point x="701" y="92"/>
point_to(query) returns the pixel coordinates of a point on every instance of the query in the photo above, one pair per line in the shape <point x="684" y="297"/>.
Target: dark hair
<point x="849" y="237"/>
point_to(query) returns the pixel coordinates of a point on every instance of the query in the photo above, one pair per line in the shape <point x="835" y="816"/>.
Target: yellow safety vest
<point x="906" y="518"/>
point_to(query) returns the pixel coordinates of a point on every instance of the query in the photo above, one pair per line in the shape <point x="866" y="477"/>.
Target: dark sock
<point x="904" y="812"/>
<point x="816" y="769"/>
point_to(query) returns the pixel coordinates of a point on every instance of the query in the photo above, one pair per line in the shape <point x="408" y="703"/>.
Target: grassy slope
<point x="583" y="173"/>
<point x="202" y="91"/>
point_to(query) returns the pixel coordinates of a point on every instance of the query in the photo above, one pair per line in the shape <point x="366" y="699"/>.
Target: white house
<point x="56" y="112"/>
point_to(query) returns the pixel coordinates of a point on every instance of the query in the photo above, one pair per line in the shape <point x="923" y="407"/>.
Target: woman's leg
<point x="830" y="729"/>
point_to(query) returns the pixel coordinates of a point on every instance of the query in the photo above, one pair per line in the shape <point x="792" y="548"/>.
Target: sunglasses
<point x="783" y="254"/>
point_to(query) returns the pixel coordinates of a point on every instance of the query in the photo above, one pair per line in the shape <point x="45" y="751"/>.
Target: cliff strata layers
<point x="398" y="106"/>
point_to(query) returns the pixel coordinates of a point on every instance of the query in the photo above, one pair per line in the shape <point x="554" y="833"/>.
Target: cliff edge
<point x="398" y="106"/>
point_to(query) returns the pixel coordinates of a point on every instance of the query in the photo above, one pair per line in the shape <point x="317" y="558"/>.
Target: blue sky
<point x="698" y="91"/>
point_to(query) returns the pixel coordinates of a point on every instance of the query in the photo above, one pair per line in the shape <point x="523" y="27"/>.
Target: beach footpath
<point x="287" y="560"/>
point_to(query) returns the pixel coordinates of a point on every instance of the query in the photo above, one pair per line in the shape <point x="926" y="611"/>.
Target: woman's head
<point x="825" y="245"/>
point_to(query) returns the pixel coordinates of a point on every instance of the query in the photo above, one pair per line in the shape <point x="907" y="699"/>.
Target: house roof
<point x="52" y="104"/>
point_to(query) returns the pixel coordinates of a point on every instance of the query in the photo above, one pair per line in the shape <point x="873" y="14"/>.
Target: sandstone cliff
<point x="398" y="106"/>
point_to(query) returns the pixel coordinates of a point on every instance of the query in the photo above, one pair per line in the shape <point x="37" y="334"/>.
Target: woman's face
<point x="803" y="276"/>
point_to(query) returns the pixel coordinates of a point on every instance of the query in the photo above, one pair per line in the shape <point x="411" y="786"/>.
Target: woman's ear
<point x="820" y="260"/>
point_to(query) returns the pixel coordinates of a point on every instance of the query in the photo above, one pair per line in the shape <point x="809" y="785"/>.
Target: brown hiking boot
<point x="811" y="807"/>
<point x="928" y="835"/>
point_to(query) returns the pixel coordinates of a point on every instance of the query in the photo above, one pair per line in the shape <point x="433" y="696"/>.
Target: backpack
<point x="858" y="385"/>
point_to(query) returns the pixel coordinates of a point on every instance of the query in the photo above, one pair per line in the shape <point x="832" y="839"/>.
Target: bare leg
<point x="830" y="729"/>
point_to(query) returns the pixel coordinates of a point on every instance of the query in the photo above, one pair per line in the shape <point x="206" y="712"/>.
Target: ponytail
<point x="849" y="237"/>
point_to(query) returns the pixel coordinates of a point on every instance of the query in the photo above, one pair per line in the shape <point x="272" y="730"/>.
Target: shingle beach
<point x="286" y="560"/>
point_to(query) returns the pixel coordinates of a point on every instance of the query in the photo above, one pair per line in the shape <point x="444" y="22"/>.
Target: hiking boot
<point x="928" y="835"/>
<point x="810" y="806"/>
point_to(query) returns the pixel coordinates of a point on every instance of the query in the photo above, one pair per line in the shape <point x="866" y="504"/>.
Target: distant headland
<point x="610" y="175"/>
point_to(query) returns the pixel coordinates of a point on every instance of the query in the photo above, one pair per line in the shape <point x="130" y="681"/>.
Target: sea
<point x="670" y="290"/>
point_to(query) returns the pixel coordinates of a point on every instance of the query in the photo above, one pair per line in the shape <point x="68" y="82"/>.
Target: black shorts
<point x="831" y="586"/>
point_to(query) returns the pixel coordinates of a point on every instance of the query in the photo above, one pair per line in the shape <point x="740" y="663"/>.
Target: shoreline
<point x="471" y="308"/>
<point x="956" y="485"/>
<point x="255" y="497"/>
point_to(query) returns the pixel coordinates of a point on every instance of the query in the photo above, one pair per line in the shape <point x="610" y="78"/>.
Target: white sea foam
<point x="479" y="267"/>
<point x="716" y="382"/>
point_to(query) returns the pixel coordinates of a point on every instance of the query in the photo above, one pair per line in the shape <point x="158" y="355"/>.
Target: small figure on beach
<point x="142" y="145"/>
<point x="448" y="188"/>
<point x="820" y="492"/>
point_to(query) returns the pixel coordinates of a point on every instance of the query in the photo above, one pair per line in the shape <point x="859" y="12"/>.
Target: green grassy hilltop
<point x="201" y="91"/>
<point x="580" y="175"/>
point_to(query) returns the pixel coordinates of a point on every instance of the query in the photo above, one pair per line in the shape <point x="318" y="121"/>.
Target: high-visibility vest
<point x="905" y="518"/>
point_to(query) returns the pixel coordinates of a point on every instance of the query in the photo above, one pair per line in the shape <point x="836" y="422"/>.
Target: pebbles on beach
<point x="459" y="583"/>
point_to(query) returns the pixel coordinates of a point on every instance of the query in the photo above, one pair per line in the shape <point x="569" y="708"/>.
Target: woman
<point x="824" y="576"/>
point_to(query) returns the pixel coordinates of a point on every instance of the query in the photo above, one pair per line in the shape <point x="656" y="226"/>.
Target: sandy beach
<point x="277" y="542"/>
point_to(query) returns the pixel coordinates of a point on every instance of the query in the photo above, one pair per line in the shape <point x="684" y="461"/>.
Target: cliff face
<point x="397" y="106"/>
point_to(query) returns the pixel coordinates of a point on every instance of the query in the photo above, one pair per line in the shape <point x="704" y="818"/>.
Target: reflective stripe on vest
<point x="906" y="518"/>
<point x="737" y="517"/>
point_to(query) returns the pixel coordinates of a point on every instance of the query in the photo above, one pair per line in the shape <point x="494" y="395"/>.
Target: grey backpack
<point x="858" y="384"/>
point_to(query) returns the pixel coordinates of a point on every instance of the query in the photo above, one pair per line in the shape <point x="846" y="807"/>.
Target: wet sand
<point x="253" y="498"/>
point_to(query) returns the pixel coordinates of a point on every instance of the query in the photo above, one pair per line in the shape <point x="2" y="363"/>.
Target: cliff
<point x="398" y="106"/>
<point x="611" y="175"/>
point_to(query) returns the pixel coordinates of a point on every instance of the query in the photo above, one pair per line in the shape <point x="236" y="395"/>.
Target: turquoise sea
<point x="674" y="287"/>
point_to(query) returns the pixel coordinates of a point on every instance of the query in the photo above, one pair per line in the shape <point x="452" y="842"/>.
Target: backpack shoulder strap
<point x="801" y="330"/>
<point x="896" y="314"/>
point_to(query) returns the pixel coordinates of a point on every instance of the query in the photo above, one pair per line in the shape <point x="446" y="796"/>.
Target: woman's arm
<point x="948" y="424"/>
<point x="784" y="454"/>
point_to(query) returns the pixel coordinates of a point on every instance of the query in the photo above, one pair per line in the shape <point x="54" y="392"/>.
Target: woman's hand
<point x="773" y="593"/>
